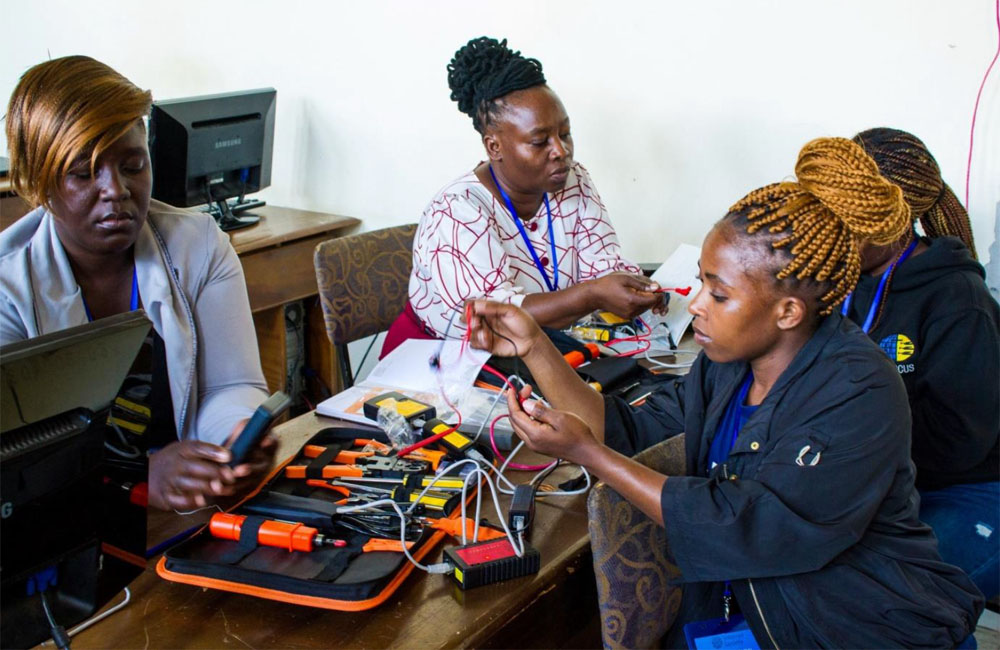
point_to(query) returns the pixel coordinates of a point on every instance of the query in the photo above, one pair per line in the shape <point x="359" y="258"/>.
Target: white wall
<point x="678" y="109"/>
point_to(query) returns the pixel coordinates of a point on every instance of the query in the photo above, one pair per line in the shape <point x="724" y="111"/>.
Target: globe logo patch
<point x="898" y="347"/>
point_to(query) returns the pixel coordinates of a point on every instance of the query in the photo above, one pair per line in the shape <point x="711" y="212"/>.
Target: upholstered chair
<point x="632" y="563"/>
<point x="363" y="285"/>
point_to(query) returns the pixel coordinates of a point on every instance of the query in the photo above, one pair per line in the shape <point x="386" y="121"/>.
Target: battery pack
<point x="484" y="563"/>
<point x="408" y="407"/>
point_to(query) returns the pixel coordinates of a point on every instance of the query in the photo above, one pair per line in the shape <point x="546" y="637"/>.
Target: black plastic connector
<point x="522" y="509"/>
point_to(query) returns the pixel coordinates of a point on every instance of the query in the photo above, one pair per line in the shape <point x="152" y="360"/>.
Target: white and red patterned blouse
<point x="468" y="246"/>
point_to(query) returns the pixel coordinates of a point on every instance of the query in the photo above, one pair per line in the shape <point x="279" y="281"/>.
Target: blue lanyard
<point x="133" y="303"/>
<point x="882" y="284"/>
<point x="554" y="284"/>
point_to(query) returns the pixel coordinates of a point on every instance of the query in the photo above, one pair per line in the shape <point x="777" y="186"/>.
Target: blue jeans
<point x="966" y="520"/>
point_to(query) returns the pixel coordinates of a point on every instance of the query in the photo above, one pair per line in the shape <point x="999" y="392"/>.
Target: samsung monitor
<point x="213" y="148"/>
<point x="52" y="390"/>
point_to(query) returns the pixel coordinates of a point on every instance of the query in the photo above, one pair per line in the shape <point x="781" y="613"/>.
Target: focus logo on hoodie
<point x="899" y="348"/>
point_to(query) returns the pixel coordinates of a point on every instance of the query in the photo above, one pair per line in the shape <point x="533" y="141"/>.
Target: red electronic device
<point x="491" y="561"/>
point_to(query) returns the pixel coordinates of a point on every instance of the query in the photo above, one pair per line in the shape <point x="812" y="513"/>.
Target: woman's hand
<point x="548" y="431"/>
<point x="624" y="294"/>
<point x="189" y="474"/>
<point x="502" y="329"/>
<point x="192" y="474"/>
<point x="257" y="463"/>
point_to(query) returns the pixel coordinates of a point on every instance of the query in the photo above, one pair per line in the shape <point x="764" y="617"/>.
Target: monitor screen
<point x="212" y="148"/>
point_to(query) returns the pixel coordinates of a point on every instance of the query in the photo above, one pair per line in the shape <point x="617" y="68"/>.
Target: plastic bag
<point x="395" y="425"/>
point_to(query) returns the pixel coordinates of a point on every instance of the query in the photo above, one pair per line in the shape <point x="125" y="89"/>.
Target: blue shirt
<point x="737" y="414"/>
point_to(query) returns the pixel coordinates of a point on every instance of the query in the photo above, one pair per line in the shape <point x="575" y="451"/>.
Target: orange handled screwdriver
<point x="577" y="358"/>
<point x="280" y="534"/>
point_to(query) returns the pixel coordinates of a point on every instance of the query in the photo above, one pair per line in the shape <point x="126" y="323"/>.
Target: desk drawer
<point x="281" y="274"/>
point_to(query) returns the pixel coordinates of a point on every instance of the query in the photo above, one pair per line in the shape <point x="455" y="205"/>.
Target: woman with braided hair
<point x="935" y="319"/>
<point x="798" y="509"/>
<point x="524" y="227"/>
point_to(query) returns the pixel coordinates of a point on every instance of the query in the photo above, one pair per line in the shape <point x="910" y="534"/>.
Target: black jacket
<point x="829" y="554"/>
<point x="940" y="327"/>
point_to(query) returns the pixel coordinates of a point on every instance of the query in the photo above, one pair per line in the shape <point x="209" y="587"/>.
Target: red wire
<point x="496" y="373"/>
<point x="493" y="443"/>
<point x="467" y="336"/>
<point x="975" y="110"/>
<point x="437" y="436"/>
<point x="638" y="338"/>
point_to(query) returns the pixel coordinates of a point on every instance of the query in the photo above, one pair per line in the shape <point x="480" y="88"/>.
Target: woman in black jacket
<point x="935" y="319"/>
<point x="798" y="508"/>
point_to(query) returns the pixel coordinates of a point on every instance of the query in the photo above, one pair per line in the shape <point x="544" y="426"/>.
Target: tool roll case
<point x="358" y="575"/>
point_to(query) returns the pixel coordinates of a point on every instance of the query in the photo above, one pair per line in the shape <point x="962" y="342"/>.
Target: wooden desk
<point x="277" y="258"/>
<point x="12" y="207"/>
<point x="555" y="608"/>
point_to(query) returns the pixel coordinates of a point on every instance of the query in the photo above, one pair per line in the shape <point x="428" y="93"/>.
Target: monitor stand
<point x="225" y="216"/>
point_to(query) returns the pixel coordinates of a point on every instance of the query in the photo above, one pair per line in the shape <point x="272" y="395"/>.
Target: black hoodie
<point x="940" y="327"/>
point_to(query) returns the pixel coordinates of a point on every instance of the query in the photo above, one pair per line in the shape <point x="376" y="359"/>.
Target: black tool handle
<point x="258" y="425"/>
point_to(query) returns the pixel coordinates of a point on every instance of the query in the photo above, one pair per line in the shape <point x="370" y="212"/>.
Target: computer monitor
<point x="213" y="148"/>
<point x="51" y="452"/>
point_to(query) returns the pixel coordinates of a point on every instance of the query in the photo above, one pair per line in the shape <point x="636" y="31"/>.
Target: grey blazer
<point x="192" y="288"/>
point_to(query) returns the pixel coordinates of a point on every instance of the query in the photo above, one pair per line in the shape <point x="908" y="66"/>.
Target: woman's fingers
<point x="640" y="283"/>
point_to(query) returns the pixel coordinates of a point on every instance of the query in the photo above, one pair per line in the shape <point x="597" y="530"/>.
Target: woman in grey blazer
<point x="97" y="245"/>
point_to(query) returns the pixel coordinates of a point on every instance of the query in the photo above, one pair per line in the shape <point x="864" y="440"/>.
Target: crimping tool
<point x="376" y="466"/>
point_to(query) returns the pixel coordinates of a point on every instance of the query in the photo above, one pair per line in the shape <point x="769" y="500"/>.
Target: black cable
<point x="517" y="355"/>
<point x="208" y="192"/>
<point x="364" y="357"/>
<point x="59" y="636"/>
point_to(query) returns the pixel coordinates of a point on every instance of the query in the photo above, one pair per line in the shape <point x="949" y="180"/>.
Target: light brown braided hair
<point x="905" y="160"/>
<point x="816" y="222"/>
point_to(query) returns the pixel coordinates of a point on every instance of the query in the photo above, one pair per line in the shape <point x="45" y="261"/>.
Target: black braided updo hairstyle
<point x="483" y="71"/>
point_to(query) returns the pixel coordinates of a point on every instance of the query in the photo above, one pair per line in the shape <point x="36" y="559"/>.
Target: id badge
<point x="717" y="634"/>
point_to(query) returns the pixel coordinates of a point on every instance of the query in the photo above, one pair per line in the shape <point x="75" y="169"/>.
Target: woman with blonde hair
<point x="796" y="523"/>
<point x="97" y="245"/>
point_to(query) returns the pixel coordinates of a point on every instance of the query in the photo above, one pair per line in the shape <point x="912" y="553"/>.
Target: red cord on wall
<point x="975" y="110"/>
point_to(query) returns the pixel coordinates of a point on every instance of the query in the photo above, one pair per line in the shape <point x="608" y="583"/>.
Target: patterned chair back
<point x="363" y="283"/>
<point x="632" y="563"/>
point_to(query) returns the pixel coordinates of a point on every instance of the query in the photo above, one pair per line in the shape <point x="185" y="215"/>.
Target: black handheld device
<point x="258" y="425"/>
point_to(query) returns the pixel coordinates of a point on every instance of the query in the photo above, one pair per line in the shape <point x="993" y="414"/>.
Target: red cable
<point x="437" y="436"/>
<point x="638" y="338"/>
<point x="496" y="373"/>
<point x="975" y="110"/>
<point x="493" y="444"/>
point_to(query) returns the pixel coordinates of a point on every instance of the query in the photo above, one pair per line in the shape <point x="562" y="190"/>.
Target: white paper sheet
<point x="407" y="369"/>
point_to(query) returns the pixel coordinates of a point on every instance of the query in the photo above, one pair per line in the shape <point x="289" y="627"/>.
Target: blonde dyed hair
<point x="62" y="110"/>
<point x="838" y="200"/>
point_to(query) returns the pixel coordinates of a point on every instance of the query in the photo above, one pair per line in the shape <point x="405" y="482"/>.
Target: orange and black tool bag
<point x="352" y="577"/>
